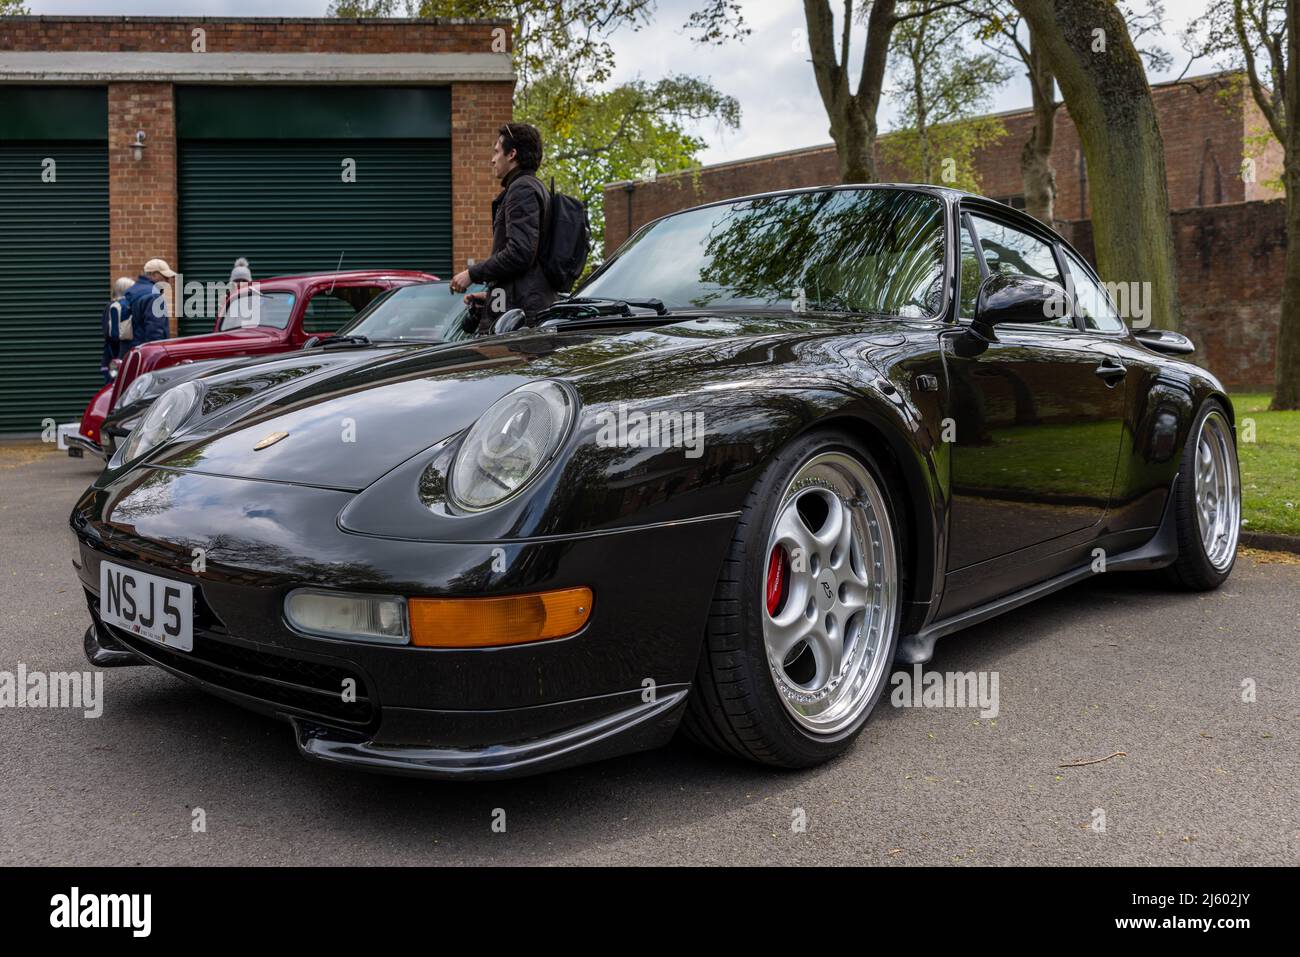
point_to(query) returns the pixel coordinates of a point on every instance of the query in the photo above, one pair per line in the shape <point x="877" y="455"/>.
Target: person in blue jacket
<point x="148" y="302"/>
<point x="115" y="347"/>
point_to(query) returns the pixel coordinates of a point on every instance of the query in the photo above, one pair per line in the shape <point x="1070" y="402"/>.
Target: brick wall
<point x="142" y="196"/>
<point x="477" y="111"/>
<point x="263" y="35"/>
<point x="1205" y="125"/>
<point x="1230" y="262"/>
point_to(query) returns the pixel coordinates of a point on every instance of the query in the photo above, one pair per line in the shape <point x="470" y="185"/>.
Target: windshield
<point x="253" y="308"/>
<point x="878" y="251"/>
<point x="429" y="311"/>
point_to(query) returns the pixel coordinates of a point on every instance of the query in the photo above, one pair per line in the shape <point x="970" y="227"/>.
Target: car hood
<point x="350" y="415"/>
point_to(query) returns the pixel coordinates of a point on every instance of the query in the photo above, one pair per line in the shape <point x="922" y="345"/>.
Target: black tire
<point x="734" y="706"/>
<point x="1192" y="569"/>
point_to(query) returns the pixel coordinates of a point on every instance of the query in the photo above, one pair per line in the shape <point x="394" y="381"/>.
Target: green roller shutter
<point x="285" y="206"/>
<point x="54" y="280"/>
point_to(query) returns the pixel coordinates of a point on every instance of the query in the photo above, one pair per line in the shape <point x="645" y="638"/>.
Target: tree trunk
<point x="1286" y="369"/>
<point x="852" y="115"/>
<point x="1110" y="102"/>
<point x="1036" y="170"/>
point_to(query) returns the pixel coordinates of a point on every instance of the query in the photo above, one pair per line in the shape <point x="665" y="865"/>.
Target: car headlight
<point x="510" y="444"/>
<point x="136" y="391"/>
<point x="163" y="418"/>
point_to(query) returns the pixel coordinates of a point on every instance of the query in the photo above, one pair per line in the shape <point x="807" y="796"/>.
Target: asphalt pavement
<point x="1186" y="705"/>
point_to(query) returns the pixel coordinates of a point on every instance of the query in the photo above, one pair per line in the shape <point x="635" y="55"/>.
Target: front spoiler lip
<point x="618" y="733"/>
<point x="632" y="729"/>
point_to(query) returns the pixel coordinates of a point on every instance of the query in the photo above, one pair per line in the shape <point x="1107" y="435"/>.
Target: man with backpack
<point x="536" y="236"/>
<point x="115" y="323"/>
<point x="148" y="304"/>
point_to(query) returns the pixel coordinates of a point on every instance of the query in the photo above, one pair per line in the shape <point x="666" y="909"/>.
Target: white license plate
<point x="150" y="606"/>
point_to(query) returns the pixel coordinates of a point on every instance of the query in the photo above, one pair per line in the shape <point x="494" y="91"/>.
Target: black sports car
<point x="770" y="447"/>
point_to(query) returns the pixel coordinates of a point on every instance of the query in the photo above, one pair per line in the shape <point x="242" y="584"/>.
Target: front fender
<point x="607" y="478"/>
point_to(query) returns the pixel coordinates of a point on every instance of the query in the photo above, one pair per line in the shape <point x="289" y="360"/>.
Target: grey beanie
<point x="241" y="272"/>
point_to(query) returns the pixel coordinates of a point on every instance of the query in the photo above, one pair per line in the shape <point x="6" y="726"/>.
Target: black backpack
<point x="566" y="240"/>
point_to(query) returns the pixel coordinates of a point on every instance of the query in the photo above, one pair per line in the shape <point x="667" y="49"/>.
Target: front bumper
<point x="618" y="686"/>
<point x="71" y="440"/>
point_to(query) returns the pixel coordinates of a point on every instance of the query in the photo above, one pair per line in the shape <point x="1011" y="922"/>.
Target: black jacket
<point x="514" y="265"/>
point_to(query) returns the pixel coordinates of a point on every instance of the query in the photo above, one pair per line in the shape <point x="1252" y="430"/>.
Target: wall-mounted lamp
<point x="137" y="148"/>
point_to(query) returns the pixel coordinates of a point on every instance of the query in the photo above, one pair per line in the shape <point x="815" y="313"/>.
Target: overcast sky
<point x="768" y="73"/>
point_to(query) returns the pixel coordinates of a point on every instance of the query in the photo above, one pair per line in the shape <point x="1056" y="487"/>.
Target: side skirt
<point x="1159" y="551"/>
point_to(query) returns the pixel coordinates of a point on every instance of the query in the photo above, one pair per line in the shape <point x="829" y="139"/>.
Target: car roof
<point x="344" y="275"/>
<point x="946" y="193"/>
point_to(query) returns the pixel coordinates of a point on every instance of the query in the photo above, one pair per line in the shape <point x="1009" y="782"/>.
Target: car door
<point x="1036" y="419"/>
<point x="328" y="307"/>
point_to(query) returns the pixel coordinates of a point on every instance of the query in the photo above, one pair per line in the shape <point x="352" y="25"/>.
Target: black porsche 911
<point x="770" y="447"/>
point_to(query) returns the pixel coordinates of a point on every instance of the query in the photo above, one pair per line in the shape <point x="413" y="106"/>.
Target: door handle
<point x="1110" y="371"/>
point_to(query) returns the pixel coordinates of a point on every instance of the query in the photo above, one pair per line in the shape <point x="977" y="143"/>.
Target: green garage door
<point x="339" y="178"/>
<point x="54" y="269"/>
<point x="285" y="207"/>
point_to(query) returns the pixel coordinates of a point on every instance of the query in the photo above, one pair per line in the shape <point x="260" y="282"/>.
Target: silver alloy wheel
<point x="826" y="639"/>
<point x="1218" y="490"/>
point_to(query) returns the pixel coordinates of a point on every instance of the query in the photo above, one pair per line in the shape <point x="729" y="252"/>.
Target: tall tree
<point x="13" y="8"/>
<point x="1262" y="38"/>
<point x="943" y="91"/>
<point x="852" y="112"/>
<point x="1005" y="31"/>
<point x="1091" y="53"/>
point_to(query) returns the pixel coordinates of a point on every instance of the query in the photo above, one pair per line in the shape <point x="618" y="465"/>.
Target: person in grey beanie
<point x="241" y="274"/>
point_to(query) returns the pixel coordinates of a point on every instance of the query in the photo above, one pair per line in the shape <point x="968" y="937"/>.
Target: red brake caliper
<point x="777" y="566"/>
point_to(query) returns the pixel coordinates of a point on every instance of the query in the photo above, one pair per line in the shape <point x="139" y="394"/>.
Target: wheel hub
<point x="1217" y="490"/>
<point x="832" y="551"/>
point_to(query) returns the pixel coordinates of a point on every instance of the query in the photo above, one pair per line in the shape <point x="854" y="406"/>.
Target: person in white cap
<point x="147" y="301"/>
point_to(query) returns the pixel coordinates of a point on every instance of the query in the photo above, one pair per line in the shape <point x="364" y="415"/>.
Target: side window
<point x="1009" y="251"/>
<point x="330" y="309"/>
<point x="1090" y="299"/>
<point x="970" y="275"/>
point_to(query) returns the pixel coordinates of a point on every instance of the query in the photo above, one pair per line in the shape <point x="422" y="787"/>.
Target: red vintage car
<point x="268" y="316"/>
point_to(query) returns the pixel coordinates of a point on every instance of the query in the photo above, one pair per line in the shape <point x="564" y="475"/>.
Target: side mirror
<point x="510" y="320"/>
<point x="1010" y="298"/>
<point x="1014" y="298"/>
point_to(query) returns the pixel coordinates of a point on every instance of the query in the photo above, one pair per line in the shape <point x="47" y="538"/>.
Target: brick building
<point x="301" y="144"/>
<point x="1227" y="219"/>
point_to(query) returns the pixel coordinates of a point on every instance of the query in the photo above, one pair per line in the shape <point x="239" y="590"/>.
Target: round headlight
<point x="163" y="418"/>
<point x="510" y="444"/>
<point x="136" y="391"/>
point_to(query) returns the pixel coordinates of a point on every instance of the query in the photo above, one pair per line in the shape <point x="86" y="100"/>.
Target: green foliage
<point x="942" y="89"/>
<point x="631" y="131"/>
<point x="1270" y="498"/>
<point x="13" y="8"/>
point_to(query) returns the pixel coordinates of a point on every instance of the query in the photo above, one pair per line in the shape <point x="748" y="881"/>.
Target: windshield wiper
<point x="587" y="307"/>
<point x="352" y="340"/>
